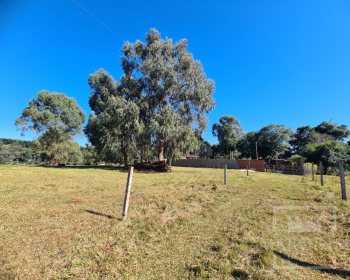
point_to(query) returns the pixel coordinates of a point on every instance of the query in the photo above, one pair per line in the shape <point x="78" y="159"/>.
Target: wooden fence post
<point x="225" y="174"/>
<point x="342" y="180"/>
<point x="321" y="173"/>
<point x="127" y="192"/>
<point x="313" y="171"/>
<point x="247" y="171"/>
<point x="302" y="167"/>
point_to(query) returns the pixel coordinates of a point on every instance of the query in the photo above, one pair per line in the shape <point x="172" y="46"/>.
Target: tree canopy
<point x="205" y="149"/>
<point x="271" y="140"/>
<point x="17" y="151"/>
<point x="56" y="118"/>
<point x="334" y="131"/>
<point x="321" y="143"/>
<point x="114" y="124"/>
<point x="228" y="131"/>
<point x="329" y="152"/>
<point x="157" y="107"/>
<point x="246" y="146"/>
<point x="303" y="136"/>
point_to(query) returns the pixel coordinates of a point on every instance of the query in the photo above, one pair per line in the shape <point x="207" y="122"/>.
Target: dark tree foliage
<point x="246" y="145"/>
<point x="321" y="143"/>
<point x="114" y="123"/>
<point x="329" y="152"/>
<point x="228" y="131"/>
<point x="337" y="132"/>
<point x="17" y="151"/>
<point x="272" y="141"/>
<point x="205" y="149"/>
<point x="304" y="135"/>
<point x="90" y="156"/>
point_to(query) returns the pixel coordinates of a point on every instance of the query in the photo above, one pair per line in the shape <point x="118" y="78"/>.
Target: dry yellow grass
<point x="64" y="223"/>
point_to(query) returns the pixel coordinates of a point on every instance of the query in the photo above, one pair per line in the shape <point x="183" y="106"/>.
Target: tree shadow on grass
<point x="100" y="214"/>
<point x="101" y="167"/>
<point x="326" y="269"/>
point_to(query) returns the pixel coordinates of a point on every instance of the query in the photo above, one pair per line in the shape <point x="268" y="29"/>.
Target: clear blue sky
<point x="285" y="62"/>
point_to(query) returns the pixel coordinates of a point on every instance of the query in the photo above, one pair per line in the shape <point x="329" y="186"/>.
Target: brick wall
<point x="258" y="165"/>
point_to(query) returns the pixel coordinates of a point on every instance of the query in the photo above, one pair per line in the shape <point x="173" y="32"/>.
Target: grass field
<point x="64" y="223"/>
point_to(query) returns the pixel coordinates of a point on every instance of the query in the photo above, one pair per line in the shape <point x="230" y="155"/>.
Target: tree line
<point x="16" y="151"/>
<point x="30" y="152"/>
<point x="325" y="142"/>
<point x="157" y="110"/>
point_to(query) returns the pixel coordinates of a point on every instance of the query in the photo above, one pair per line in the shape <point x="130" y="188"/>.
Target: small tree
<point x="56" y="117"/>
<point x="228" y="131"/>
<point x="67" y="152"/>
<point x="272" y="141"/>
<point x="246" y="145"/>
<point x="205" y="149"/>
<point x="90" y="156"/>
<point x="329" y="152"/>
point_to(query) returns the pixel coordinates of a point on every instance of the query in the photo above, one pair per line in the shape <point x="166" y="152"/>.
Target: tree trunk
<point x="125" y="158"/>
<point x="325" y="169"/>
<point x="125" y="154"/>
<point x="161" y="150"/>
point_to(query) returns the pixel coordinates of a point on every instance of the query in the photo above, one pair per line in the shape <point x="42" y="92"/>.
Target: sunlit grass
<point x="64" y="223"/>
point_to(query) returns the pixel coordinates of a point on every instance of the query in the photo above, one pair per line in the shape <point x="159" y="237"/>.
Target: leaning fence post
<point x="127" y="192"/>
<point x="225" y="174"/>
<point x="313" y="171"/>
<point x="321" y="172"/>
<point x="342" y="180"/>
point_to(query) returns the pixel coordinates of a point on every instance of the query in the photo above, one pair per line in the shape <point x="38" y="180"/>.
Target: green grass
<point x="181" y="225"/>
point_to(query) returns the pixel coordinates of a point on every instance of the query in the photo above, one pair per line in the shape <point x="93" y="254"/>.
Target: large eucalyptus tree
<point x="175" y="90"/>
<point x="167" y="93"/>
<point x="113" y="126"/>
